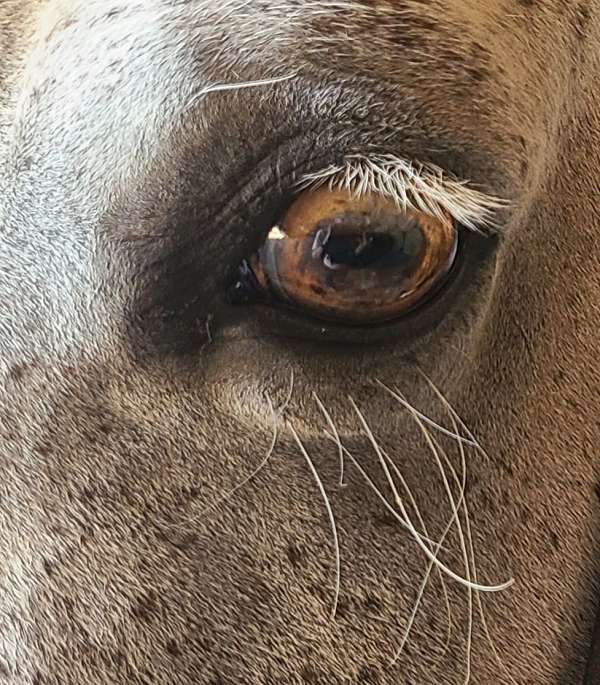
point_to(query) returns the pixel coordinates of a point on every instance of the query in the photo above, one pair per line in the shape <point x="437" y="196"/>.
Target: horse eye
<point x="351" y="260"/>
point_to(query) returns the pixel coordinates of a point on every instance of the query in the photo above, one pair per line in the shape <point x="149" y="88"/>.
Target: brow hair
<point x="415" y="186"/>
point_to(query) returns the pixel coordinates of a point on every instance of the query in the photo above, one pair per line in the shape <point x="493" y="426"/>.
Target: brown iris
<point x="355" y="260"/>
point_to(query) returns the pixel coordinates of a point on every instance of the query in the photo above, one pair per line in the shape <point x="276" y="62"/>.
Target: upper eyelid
<point x="423" y="187"/>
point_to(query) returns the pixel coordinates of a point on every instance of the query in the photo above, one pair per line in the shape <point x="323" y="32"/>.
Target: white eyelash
<point x="424" y="188"/>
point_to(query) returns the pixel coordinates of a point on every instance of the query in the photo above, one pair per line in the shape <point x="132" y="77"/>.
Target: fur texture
<point x="144" y="145"/>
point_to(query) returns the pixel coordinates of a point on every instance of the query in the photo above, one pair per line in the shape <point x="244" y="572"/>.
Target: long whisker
<point x="336" y="543"/>
<point x="241" y="85"/>
<point x="380" y="455"/>
<point x="396" y="395"/>
<point x="336" y="434"/>
<point x="462" y="484"/>
<point x="227" y="496"/>
<point x="277" y="416"/>
<point x="452" y="412"/>
<point x="378" y="492"/>
<point x="454" y="519"/>
<point x="337" y="440"/>
<point x="455" y="420"/>
<point x="417" y="537"/>
<point x="288" y="399"/>
<point x="438" y="548"/>
<point x="472" y="554"/>
<point x="481" y="610"/>
<point x="436" y="451"/>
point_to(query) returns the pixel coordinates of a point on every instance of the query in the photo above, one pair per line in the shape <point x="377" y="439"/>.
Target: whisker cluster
<point x="403" y="507"/>
<point x="459" y="516"/>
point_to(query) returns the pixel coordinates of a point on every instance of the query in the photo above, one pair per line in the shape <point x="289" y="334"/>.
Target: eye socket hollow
<point x="352" y="260"/>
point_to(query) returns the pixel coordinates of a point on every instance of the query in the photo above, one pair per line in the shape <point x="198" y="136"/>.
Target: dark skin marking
<point x="173" y="648"/>
<point x="368" y="675"/>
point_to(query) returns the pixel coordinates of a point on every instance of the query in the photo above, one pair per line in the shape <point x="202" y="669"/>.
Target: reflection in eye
<point x="354" y="260"/>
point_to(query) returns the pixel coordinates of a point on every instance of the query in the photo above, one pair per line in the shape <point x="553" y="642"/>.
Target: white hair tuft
<point x="422" y="187"/>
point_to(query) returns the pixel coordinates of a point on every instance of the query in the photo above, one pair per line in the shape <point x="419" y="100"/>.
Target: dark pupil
<point x="357" y="252"/>
<point x="363" y="250"/>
